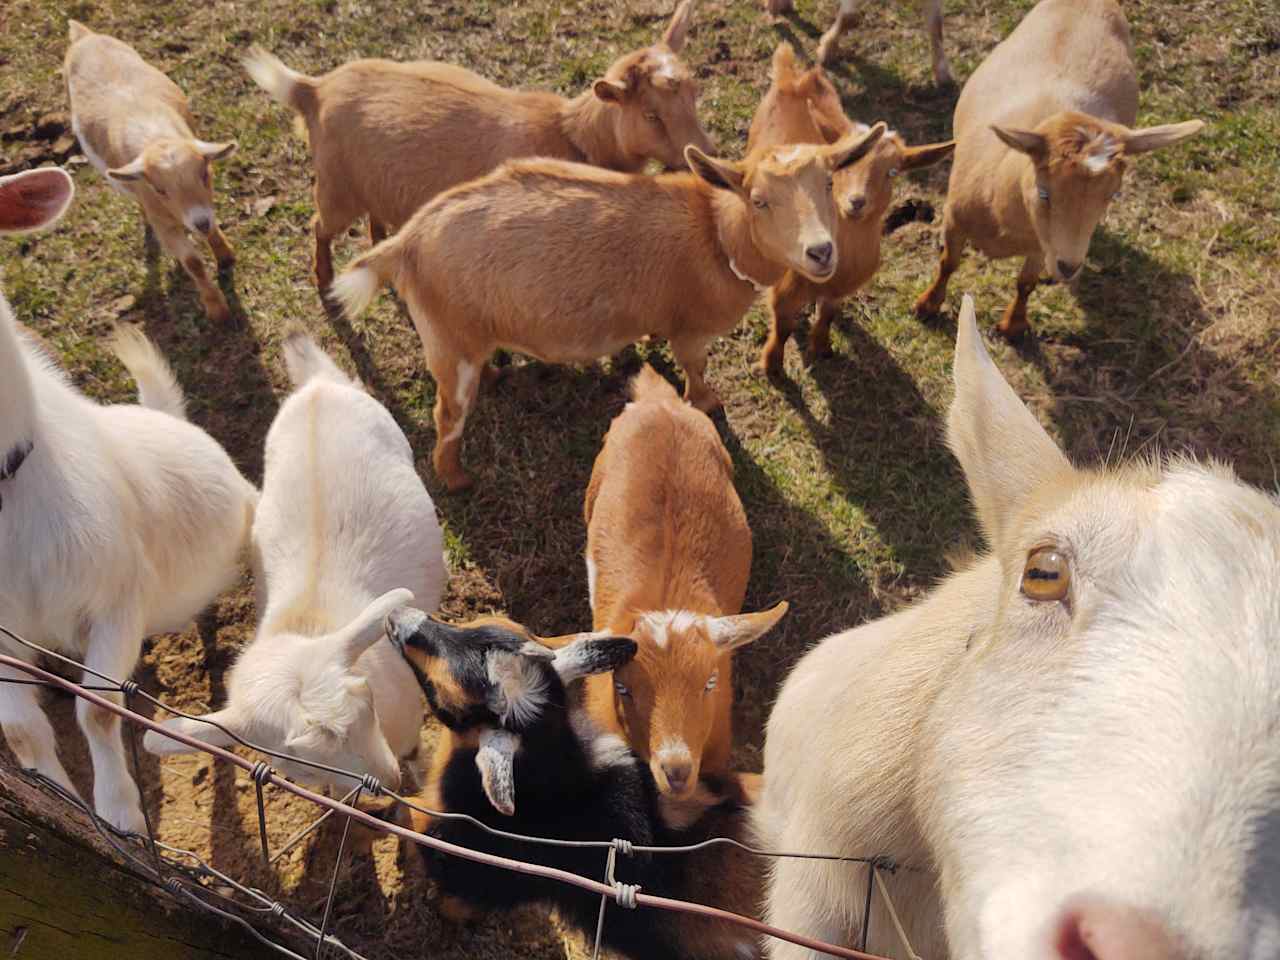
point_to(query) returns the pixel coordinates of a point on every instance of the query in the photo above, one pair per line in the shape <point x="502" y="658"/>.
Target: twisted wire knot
<point x="624" y="847"/>
<point x="129" y="687"/>
<point x="371" y="785"/>
<point x="625" y="894"/>
<point x="173" y="885"/>
<point x="261" y="773"/>
<point x="277" y="909"/>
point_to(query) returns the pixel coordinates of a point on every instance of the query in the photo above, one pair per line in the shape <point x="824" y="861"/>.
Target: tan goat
<point x="134" y="125"/>
<point x="1044" y="130"/>
<point x="568" y="263"/>
<point x="668" y="557"/>
<point x="803" y="107"/>
<point x="388" y="137"/>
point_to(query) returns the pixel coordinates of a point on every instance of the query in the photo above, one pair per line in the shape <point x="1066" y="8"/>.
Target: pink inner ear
<point x="33" y="199"/>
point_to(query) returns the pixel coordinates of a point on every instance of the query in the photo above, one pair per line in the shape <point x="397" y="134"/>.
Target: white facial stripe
<point x="789" y="155"/>
<point x="673" y="751"/>
<point x="663" y="623"/>
<point x="666" y="66"/>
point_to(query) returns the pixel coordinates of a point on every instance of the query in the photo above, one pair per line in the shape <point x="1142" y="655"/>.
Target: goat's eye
<point x="893" y="172"/>
<point x="621" y="688"/>
<point x="1047" y="575"/>
<point x="1043" y="194"/>
<point x="711" y="682"/>
<point x="159" y="192"/>
<point x="205" y="175"/>
<point x="831" y="184"/>
<point x="760" y="203"/>
<point x="651" y="116"/>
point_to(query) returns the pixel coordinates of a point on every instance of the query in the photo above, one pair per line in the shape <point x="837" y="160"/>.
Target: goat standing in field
<point x="388" y="137"/>
<point x="668" y="557"/>
<point x="1044" y="130"/>
<point x="569" y="263"/>
<point x="345" y="532"/>
<point x="521" y="754"/>
<point x="805" y="108"/>
<point x="116" y="522"/>
<point x="1071" y="743"/>
<point x="134" y="125"/>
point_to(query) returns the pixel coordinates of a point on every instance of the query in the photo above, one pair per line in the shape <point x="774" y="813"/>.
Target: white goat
<point x="345" y="533"/>
<point x="1072" y="743"/>
<point x="115" y="522"/>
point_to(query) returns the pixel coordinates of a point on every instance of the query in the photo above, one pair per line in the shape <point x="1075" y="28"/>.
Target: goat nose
<point x="678" y="773"/>
<point x="857" y="205"/>
<point x="1100" y="930"/>
<point x="820" y="254"/>
<point x="203" y="224"/>
<point x="1067" y="269"/>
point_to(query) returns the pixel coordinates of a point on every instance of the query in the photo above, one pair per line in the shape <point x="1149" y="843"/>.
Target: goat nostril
<point x="1067" y="270"/>
<point x="1102" y="930"/>
<point x="820" y="254"/>
<point x="677" y="775"/>
<point x="857" y="205"/>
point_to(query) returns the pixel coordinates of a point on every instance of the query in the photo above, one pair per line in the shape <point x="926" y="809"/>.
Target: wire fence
<point x="188" y="877"/>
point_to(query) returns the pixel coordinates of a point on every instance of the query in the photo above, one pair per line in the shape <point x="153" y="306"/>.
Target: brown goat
<point x="668" y="556"/>
<point x="803" y="107"/>
<point x="568" y="263"/>
<point x="388" y="137"/>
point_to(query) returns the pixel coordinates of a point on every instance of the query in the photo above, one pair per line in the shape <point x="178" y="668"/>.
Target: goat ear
<point x="496" y="760"/>
<point x="678" y="28"/>
<point x="610" y="91"/>
<point x="724" y="174"/>
<point x="34" y="199"/>
<point x="1029" y="142"/>
<point x="828" y="128"/>
<point x="729" y="633"/>
<point x="1153" y="138"/>
<point x="855" y="145"/>
<point x="134" y="170"/>
<point x="592" y="653"/>
<point x="162" y="746"/>
<point x="519" y="686"/>
<point x="367" y="628"/>
<point x="215" y="151"/>
<point x="926" y="155"/>
<point x="1004" y="451"/>
<point x="311" y="736"/>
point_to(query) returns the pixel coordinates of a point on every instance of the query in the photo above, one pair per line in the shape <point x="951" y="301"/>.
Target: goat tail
<point x="157" y="386"/>
<point x="304" y="359"/>
<point x="284" y="85"/>
<point x="355" y="288"/>
<point x="784" y="64"/>
<point x="650" y="385"/>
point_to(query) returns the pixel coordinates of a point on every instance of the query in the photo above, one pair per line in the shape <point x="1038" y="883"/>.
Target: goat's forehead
<point x="790" y="162"/>
<point x="668" y="634"/>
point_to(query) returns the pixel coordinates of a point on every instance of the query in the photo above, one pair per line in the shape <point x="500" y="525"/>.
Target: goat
<point x="521" y="754"/>
<point x="668" y="556"/>
<point x="805" y="108"/>
<point x="592" y="260"/>
<point x="116" y="522"/>
<point x="1071" y="742"/>
<point x="828" y="46"/>
<point x="134" y="126"/>
<point x="388" y="137"/>
<point x="345" y="532"/>
<point x="1044" y="130"/>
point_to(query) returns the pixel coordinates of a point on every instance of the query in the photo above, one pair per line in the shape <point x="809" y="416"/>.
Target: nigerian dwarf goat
<point x="521" y="754"/>
<point x="134" y="126"/>
<point x="568" y="263"/>
<point x="1044" y="132"/>
<point x="345" y="532"/>
<point x="668" y="557"/>
<point x="803" y="107"/>
<point x="387" y="137"/>
<point x="1073" y="740"/>
<point x="116" y="522"/>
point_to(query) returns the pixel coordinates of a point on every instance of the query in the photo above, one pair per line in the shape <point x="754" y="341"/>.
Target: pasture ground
<point x="1170" y="339"/>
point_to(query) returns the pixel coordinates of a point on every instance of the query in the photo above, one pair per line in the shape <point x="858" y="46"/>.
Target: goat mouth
<point x="822" y="277"/>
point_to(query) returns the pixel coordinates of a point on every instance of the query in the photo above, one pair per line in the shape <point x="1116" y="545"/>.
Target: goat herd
<point x="1071" y="747"/>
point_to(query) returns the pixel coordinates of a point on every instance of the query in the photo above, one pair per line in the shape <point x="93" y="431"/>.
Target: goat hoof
<point x="457" y="482"/>
<point x="14" y="459"/>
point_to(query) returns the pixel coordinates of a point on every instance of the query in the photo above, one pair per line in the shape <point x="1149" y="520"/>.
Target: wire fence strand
<point x="183" y="880"/>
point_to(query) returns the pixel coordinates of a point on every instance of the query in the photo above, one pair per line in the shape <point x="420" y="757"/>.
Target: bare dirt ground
<point x="1170" y="339"/>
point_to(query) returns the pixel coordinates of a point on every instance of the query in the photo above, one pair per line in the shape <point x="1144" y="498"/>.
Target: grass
<point x="1170" y="339"/>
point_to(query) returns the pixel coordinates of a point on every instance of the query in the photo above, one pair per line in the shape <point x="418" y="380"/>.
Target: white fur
<point x="662" y="624"/>
<point x="192" y="216"/>
<point x="355" y="289"/>
<point x="345" y="533"/>
<point x="1026" y="757"/>
<point x="462" y="393"/>
<point x="122" y="522"/>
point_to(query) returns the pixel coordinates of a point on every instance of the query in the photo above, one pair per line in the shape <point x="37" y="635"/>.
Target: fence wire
<point x="187" y="876"/>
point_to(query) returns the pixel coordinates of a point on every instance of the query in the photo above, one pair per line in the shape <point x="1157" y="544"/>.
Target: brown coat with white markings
<point x="134" y="125"/>
<point x="568" y="263"/>
<point x="803" y="107"/>
<point x="668" y="557"/>
<point x="388" y="137"/>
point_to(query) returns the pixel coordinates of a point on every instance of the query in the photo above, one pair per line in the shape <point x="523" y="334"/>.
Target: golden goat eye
<point x="893" y="172"/>
<point x="1047" y="575"/>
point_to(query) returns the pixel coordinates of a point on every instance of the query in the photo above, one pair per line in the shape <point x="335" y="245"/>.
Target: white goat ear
<point x="729" y="633"/>
<point x="162" y="746"/>
<point x="519" y="686"/>
<point x="367" y="628"/>
<point x="215" y="151"/>
<point x="134" y="170"/>
<point x="592" y="653"/>
<point x="496" y="760"/>
<point x="310" y="738"/>
<point x="1004" y="451"/>
<point x="34" y="199"/>
<point x="678" y="28"/>
<point x="1166" y="135"/>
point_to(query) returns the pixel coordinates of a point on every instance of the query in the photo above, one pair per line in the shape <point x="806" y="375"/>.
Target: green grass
<point x="1171" y="338"/>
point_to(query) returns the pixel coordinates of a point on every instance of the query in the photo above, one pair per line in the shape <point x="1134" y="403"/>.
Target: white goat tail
<point x="270" y="73"/>
<point x="355" y="289"/>
<point x="158" y="388"/>
<point x="304" y="360"/>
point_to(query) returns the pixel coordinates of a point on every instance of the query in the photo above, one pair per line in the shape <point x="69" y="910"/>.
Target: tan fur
<point x="568" y="263"/>
<point x="667" y="532"/>
<point x="388" y="137"/>
<point x="135" y="126"/>
<point x="804" y="107"/>
<point x="1059" y="89"/>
